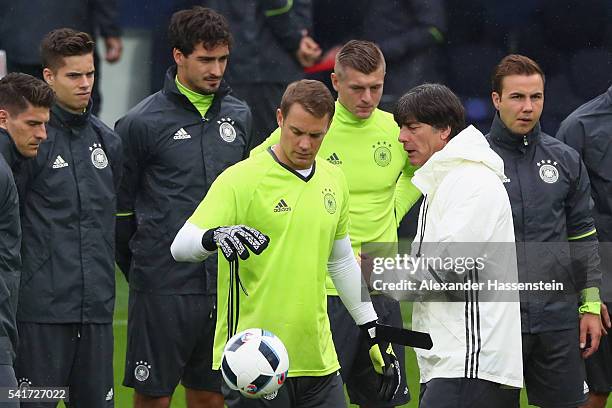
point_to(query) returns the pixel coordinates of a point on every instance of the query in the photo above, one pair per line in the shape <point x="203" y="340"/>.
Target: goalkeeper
<point x="279" y="283"/>
<point x="362" y="142"/>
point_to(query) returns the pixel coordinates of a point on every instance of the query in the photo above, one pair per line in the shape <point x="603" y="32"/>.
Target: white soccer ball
<point x="255" y="362"/>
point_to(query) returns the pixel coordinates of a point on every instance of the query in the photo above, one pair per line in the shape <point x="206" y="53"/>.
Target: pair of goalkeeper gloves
<point x="384" y="361"/>
<point x="235" y="241"/>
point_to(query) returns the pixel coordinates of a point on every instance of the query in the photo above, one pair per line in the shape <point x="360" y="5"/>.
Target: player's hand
<point x="308" y="51"/>
<point x="605" y="319"/>
<point x="114" y="48"/>
<point x="590" y="326"/>
<point x="235" y="241"/>
<point x="384" y="361"/>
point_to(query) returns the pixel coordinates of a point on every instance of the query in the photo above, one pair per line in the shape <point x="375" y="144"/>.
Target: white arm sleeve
<point x="187" y="245"/>
<point x="346" y="275"/>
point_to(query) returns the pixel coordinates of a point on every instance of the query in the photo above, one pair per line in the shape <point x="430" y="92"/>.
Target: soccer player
<point x="176" y="142"/>
<point x="588" y="130"/>
<point x="24" y="110"/>
<point x="362" y="142"/>
<point x="549" y="191"/>
<point x="68" y="193"/>
<point x="302" y="205"/>
<point x="476" y="356"/>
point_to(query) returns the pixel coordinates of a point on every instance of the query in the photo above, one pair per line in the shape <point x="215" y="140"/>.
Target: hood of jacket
<point x="469" y="145"/>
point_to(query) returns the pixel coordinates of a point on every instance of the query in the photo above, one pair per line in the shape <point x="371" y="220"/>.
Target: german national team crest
<point x="382" y="153"/>
<point x="548" y="171"/>
<point x="329" y="200"/>
<point x="98" y="157"/>
<point x="24" y="384"/>
<point x="142" y="370"/>
<point x="226" y="129"/>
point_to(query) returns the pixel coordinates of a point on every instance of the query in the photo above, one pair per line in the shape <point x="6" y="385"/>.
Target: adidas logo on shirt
<point x="59" y="162"/>
<point x="110" y="395"/>
<point x="282" y="206"/>
<point x="334" y="159"/>
<point x="181" y="134"/>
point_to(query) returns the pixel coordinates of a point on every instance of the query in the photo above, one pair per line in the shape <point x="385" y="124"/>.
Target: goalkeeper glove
<point x="384" y="361"/>
<point x="235" y="241"/>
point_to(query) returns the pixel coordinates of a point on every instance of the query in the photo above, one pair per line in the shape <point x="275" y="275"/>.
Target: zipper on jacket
<point x="424" y="208"/>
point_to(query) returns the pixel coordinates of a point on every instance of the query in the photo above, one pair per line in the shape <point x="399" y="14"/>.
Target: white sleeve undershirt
<point x="187" y="245"/>
<point x="346" y="275"/>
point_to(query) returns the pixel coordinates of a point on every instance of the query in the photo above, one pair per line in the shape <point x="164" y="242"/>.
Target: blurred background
<point x="456" y="42"/>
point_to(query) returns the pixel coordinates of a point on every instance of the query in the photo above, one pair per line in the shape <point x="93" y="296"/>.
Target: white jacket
<point x="467" y="202"/>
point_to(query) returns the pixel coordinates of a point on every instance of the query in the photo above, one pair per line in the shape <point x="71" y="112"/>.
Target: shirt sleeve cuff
<point x="590" y="301"/>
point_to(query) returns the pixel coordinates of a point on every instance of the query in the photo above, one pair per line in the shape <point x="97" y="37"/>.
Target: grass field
<point x="123" y="395"/>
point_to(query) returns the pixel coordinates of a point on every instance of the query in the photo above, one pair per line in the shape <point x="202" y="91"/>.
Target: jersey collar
<point x="292" y="171"/>
<point x="344" y="116"/>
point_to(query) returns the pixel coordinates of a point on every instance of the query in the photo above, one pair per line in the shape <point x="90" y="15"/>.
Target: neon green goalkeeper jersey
<point x="372" y="159"/>
<point x="286" y="283"/>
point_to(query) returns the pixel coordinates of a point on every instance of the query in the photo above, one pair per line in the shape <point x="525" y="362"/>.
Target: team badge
<point x="548" y="172"/>
<point x="24" y="384"/>
<point x="142" y="371"/>
<point x="329" y="200"/>
<point x="226" y="129"/>
<point x="382" y="153"/>
<point x="98" y="157"/>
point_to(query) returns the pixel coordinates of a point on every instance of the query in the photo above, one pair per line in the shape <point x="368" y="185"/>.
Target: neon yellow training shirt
<point x="200" y="101"/>
<point x="371" y="158"/>
<point x="286" y="282"/>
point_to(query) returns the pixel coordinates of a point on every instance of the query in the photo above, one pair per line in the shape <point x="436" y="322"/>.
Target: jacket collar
<point x="8" y="149"/>
<point x="502" y="136"/>
<point x="171" y="90"/>
<point x="68" y="119"/>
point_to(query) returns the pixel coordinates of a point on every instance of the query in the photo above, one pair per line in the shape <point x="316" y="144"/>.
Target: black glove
<point x="234" y="240"/>
<point x="384" y="361"/>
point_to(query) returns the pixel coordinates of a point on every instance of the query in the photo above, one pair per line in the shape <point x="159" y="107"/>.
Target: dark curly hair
<point x="61" y="43"/>
<point x="197" y="25"/>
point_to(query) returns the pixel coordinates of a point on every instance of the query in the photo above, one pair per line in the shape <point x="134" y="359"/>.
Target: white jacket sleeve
<point x="346" y="275"/>
<point x="187" y="245"/>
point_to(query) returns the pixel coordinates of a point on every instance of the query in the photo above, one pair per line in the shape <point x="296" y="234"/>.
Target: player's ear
<point x="178" y="56"/>
<point x="496" y="98"/>
<point x="4" y="117"/>
<point x="279" y="117"/>
<point x="334" y="81"/>
<point x="49" y="76"/>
